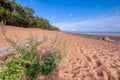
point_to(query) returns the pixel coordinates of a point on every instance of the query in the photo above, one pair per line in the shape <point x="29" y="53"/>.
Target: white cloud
<point x="71" y="15"/>
<point x="116" y="8"/>
<point x="32" y="2"/>
<point x="117" y="12"/>
<point x="104" y="15"/>
<point x="117" y="25"/>
<point x="72" y="29"/>
<point x="53" y="17"/>
<point x="111" y="23"/>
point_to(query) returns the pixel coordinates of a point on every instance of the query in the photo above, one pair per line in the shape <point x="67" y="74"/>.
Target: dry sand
<point x="87" y="59"/>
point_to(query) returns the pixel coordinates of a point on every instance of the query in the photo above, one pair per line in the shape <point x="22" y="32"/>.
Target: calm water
<point x="98" y="33"/>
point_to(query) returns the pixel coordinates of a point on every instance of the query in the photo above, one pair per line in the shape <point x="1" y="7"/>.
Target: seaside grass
<point x="26" y="63"/>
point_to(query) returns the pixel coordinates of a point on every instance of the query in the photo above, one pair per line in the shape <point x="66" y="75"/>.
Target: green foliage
<point x="55" y="28"/>
<point x="14" y="14"/>
<point x="50" y="63"/>
<point x="26" y="63"/>
<point x="14" y="71"/>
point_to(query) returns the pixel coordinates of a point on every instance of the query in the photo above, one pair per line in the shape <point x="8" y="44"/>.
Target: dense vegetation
<point x="14" y="14"/>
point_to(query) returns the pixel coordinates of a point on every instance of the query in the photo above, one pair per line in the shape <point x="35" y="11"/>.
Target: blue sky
<point x="78" y="15"/>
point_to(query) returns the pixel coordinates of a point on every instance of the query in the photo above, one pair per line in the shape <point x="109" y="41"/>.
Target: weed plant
<point x="26" y="63"/>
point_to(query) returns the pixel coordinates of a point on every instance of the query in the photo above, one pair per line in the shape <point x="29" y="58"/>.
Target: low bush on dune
<point x="26" y="62"/>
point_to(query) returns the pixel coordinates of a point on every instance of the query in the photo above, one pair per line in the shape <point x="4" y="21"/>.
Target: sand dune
<point x="87" y="59"/>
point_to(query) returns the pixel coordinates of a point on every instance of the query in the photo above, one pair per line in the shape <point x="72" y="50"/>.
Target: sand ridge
<point x="88" y="59"/>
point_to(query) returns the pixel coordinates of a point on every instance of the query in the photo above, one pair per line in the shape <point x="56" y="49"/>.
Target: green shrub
<point x="26" y="63"/>
<point x="14" y="71"/>
<point x="50" y="63"/>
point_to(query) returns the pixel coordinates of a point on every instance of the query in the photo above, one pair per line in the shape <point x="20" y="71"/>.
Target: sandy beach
<point x="87" y="59"/>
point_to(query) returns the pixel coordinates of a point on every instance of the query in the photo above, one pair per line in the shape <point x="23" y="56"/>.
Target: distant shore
<point x="113" y="38"/>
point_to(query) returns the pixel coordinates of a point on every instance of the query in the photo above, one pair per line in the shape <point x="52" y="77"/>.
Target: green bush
<point x="26" y="63"/>
<point x="50" y="63"/>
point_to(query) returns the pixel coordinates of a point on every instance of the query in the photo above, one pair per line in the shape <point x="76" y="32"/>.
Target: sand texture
<point x="87" y="59"/>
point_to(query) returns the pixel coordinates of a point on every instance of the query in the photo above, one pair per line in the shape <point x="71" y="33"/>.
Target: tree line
<point x="14" y="14"/>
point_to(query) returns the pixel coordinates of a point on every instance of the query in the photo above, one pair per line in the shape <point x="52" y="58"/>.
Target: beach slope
<point x="87" y="59"/>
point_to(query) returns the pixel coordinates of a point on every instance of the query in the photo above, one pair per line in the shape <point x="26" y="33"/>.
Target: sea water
<point x="98" y="33"/>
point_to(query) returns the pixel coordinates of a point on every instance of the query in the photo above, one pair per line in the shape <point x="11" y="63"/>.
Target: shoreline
<point x="113" y="38"/>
